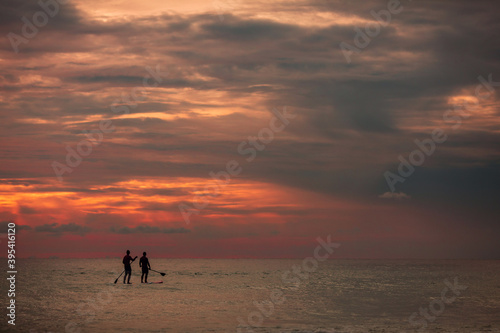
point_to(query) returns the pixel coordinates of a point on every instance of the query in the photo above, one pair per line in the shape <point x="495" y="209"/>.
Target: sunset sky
<point x="224" y="69"/>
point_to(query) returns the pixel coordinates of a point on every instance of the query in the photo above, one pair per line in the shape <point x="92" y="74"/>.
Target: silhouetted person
<point x="128" y="269"/>
<point x="144" y="263"/>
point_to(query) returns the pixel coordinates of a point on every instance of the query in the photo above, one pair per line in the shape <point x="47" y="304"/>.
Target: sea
<point x="246" y="295"/>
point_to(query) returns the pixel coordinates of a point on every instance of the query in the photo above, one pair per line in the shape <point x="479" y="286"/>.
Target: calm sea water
<point x="78" y="295"/>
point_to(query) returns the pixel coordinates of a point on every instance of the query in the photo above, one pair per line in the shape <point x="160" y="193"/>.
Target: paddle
<point x="162" y="274"/>
<point x="119" y="277"/>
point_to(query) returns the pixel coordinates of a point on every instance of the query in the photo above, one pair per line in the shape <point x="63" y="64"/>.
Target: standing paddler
<point x="144" y="263"/>
<point x="127" y="260"/>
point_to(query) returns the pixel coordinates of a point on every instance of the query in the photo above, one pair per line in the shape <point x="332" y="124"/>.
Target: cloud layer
<point x="213" y="76"/>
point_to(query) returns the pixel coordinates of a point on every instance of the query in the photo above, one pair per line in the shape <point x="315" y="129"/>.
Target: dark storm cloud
<point x="277" y="209"/>
<point x="108" y="79"/>
<point x="11" y="12"/>
<point x="55" y="189"/>
<point x="158" y="207"/>
<point x="27" y="210"/>
<point x="56" y="228"/>
<point x="237" y="30"/>
<point x="4" y="226"/>
<point x="473" y="188"/>
<point x="24" y="182"/>
<point x="146" y="229"/>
